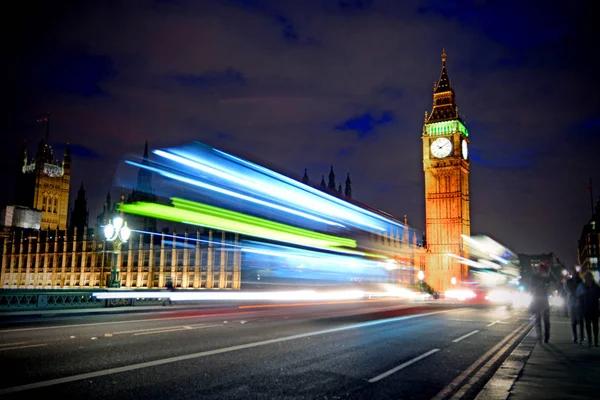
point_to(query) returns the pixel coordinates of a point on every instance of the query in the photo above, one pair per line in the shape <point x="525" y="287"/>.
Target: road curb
<point x="501" y="383"/>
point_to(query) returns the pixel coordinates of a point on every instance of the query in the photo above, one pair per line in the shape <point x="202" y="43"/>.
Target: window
<point x="55" y="205"/>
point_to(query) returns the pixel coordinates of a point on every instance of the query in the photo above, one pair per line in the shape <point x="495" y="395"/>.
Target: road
<point x="374" y="349"/>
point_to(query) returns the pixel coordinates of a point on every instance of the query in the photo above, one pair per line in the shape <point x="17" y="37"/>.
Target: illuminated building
<point x="43" y="183"/>
<point x="446" y="166"/>
<point x="45" y="259"/>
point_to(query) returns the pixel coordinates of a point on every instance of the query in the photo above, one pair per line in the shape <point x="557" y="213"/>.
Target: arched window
<point x="44" y="200"/>
<point x="55" y="205"/>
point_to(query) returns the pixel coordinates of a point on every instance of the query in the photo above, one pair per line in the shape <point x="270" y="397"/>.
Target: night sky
<point x="306" y="84"/>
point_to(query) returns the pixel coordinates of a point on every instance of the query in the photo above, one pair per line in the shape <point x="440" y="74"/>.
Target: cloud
<point x="211" y="79"/>
<point x="78" y="151"/>
<point x="366" y="123"/>
<point x="71" y="71"/>
<point x="287" y="28"/>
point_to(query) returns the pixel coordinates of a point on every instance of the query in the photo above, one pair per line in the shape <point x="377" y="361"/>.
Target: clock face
<point x="441" y="147"/>
<point x="465" y="149"/>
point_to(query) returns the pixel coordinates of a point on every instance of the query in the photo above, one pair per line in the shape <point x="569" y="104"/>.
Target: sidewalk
<point x="559" y="369"/>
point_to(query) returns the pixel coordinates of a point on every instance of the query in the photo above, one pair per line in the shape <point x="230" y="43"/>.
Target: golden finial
<point x="444" y="55"/>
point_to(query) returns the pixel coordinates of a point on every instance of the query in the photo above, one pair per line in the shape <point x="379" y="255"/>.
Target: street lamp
<point x="453" y="280"/>
<point x="421" y="275"/>
<point x="117" y="232"/>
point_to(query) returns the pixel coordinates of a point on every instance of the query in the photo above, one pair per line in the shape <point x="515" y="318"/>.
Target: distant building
<point x="21" y="217"/>
<point x="529" y="263"/>
<point x="588" y="245"/>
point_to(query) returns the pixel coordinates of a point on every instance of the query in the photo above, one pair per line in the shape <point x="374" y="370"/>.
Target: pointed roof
<point x="305" y="177"/>
<point x="331" y="184"/>
<point x="444" y="104"/>
<point x="146" y="150"/>
<point x="443" y="84"/>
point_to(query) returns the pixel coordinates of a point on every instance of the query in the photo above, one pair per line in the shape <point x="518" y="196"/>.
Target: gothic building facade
<point x="43" y="183"/>
<point x="74" y="256"/>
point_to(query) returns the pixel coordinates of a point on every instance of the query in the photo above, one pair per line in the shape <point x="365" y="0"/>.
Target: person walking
<point x="540" y="306"/>
<point x="575" y="305"/>
<point x="591" y="308"/>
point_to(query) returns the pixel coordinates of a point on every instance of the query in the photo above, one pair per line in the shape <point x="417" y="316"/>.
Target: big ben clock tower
<point x="446" y="166"/>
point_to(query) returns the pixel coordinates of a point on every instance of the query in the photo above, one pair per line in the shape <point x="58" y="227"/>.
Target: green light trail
<point x="186" y="211"/>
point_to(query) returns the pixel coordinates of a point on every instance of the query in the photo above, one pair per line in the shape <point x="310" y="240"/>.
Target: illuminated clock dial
<point x="441" y="147"/>
<point x="465" y="149"/>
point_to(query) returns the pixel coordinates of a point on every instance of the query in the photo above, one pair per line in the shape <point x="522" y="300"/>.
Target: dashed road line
<point x="402" y="366"/>
<point x="465" y="336"/>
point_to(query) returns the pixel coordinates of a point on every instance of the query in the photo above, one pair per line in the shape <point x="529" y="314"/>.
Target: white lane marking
<point x="452" y="386"/>
<point x="11" y="344"/>
<point x="154" y="329"/>
<point x="103" y="323"/>
<point x="499" y="321"/>
<point x="462" y="320"/>
<point x="22" y="347"/>
<point x="170" y="360"/>
<point x="402" y="366"/>
<point x="183" y="328"/>
<point x="465" y="336"/>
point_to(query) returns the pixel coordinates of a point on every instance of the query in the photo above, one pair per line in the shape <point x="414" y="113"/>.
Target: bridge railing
<point x="67" y="299"/>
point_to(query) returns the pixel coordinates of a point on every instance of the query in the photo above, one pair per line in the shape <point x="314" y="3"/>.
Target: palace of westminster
<point x="44" y="246"/>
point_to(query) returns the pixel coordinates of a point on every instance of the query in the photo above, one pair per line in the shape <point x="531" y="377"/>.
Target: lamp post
<point x="453" y="281"/>
<point x="117" y="232"/>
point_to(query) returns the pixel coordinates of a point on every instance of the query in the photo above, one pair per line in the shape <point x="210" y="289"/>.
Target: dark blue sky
<point x="307" y="84"/>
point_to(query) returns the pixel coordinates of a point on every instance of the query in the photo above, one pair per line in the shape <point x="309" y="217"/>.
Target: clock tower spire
<point x="446" y="166"/>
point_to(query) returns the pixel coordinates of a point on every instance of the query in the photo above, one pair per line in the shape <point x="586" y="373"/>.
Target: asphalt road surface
<point x="347" y="350"/>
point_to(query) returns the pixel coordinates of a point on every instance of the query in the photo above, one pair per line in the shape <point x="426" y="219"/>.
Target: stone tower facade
<point x="44" y="184"/>
<point x="446" y="166"/>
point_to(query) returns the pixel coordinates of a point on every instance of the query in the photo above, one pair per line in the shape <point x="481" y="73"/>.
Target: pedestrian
<point x="591" y="309"/>
<point x="540" y="306"/>
<point x="575" y="305"/>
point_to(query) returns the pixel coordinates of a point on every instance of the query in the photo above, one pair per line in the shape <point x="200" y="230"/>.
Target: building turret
<point x="305" y="177"/>
<point x="348" y="189"/>
<point x="80" y="213"/>
<point x="323" y="184"/>
<point x="44" y="183"/>
<point x="331" y="184"/>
